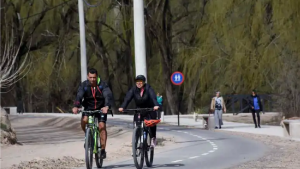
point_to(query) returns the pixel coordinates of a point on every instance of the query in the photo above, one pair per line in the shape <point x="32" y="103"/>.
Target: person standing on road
<point x="20" y="107"/>
<point x="218" y="106"/>
<point x="256" y="107"/>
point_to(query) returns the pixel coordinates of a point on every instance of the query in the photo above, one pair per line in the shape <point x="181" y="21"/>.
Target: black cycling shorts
<point x="151" y="115"/>
<point x="101" y="117"/>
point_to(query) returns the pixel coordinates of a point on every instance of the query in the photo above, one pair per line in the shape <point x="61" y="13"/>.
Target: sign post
<point x="177" y="79"/>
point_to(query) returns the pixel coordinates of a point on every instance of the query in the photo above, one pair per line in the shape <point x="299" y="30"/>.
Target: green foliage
<point x="232" y="46"/>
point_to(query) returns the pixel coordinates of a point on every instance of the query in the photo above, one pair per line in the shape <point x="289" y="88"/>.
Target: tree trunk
<point x="30" y="102"/>
<point x="171" y="98"/>
<point x="128" y="35"/>
<point x="129" y="71"/>
<point x="163" y="35"/>
<point x="191" y="99"/>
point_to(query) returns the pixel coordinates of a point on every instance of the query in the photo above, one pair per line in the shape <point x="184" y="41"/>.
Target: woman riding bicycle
<point x="144" y="97"/>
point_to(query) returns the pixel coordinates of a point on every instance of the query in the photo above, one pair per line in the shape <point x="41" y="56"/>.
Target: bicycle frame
<point x="93" y="125"/>
<point x="94" y="128"/>
<point x="140" y="121"/>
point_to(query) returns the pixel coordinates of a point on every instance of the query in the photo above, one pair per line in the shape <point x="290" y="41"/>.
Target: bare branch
<point x="12" y="70"/>
<point x="112" y="29"/>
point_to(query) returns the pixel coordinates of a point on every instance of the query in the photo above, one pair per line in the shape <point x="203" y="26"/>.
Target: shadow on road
<point x="133" y="166"/>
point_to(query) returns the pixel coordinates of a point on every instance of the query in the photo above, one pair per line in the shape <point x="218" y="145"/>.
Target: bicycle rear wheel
<point x="89" y="149"/>
<point x="137" y="148"/>
<point x="149" y="151"/>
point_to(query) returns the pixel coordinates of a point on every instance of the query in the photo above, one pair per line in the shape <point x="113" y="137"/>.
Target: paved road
<point x="198" y="149"/>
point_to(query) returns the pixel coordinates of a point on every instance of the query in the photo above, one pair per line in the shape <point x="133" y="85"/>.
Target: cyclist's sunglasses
<point x="139" y="82"/>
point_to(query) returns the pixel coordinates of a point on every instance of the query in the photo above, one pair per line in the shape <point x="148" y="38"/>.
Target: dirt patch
<point x="265" y="119"/>
<point x="284" y="153"/>
<point x="49" y="163"/>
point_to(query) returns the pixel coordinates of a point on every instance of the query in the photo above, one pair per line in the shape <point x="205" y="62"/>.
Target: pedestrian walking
<point x="218" y="107"/>
<point x="256" y="107"/>
<point x="20" y="108"/>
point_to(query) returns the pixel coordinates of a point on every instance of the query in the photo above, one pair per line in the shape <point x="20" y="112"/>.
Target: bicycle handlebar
<point x="91" y="112"/>
<point x="144" y="110"/>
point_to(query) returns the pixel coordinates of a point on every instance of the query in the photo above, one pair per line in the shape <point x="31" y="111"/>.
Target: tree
<point x="10" y="73"/>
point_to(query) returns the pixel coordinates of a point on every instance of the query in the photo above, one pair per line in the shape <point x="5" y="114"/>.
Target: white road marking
<point x="214" y="146"/>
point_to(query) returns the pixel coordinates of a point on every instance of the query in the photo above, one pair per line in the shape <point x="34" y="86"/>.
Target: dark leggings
<point x="153" y="131"/>
<point x="258" y="117"/>
<point x="153" y="115"/>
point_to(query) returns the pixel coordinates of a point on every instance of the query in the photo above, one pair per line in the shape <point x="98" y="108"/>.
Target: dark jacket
<point x="251" y="102"/>
<point x="148" y="99"/>
<point x="103" y="96"/>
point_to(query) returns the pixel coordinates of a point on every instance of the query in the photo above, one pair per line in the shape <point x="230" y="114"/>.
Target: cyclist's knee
<point x="102" y="126"/>
<point x="84" y="119"/>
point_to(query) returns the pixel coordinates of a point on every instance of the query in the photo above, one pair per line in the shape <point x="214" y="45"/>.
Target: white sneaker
<point x="153" y="142"/>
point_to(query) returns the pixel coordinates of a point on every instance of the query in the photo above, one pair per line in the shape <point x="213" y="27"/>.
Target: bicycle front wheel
<point x="137" y="148"/>
<point x="149" y="151"/>
<point x="89" y="148"/>
<point x="98" y="159"/>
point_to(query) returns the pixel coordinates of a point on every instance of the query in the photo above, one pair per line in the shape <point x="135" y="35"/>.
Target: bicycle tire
<point x="149" y="151"/>
<point x="98" y="159"/>
<point x="136" y="135"/>
<point x="88" y="149"/>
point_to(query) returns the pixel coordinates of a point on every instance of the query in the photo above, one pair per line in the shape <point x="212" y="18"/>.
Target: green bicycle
<point x="92" y="140"/>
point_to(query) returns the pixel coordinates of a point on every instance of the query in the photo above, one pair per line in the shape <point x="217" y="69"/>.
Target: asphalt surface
<point x="196" y="149"/>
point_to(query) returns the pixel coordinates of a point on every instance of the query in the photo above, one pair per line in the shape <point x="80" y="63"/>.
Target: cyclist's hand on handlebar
<point x="156" y="107"/>
<point x="121" y="109"/>
<point x="75" y="110"/>
<point x="104" y="110"/>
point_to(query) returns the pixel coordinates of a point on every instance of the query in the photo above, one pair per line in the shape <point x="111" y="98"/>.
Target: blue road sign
<point x="177" y="78"/>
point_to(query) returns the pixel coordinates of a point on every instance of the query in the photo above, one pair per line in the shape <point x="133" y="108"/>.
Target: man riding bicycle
<point x="144" y="97"/>
<point x="97" y="95"/>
